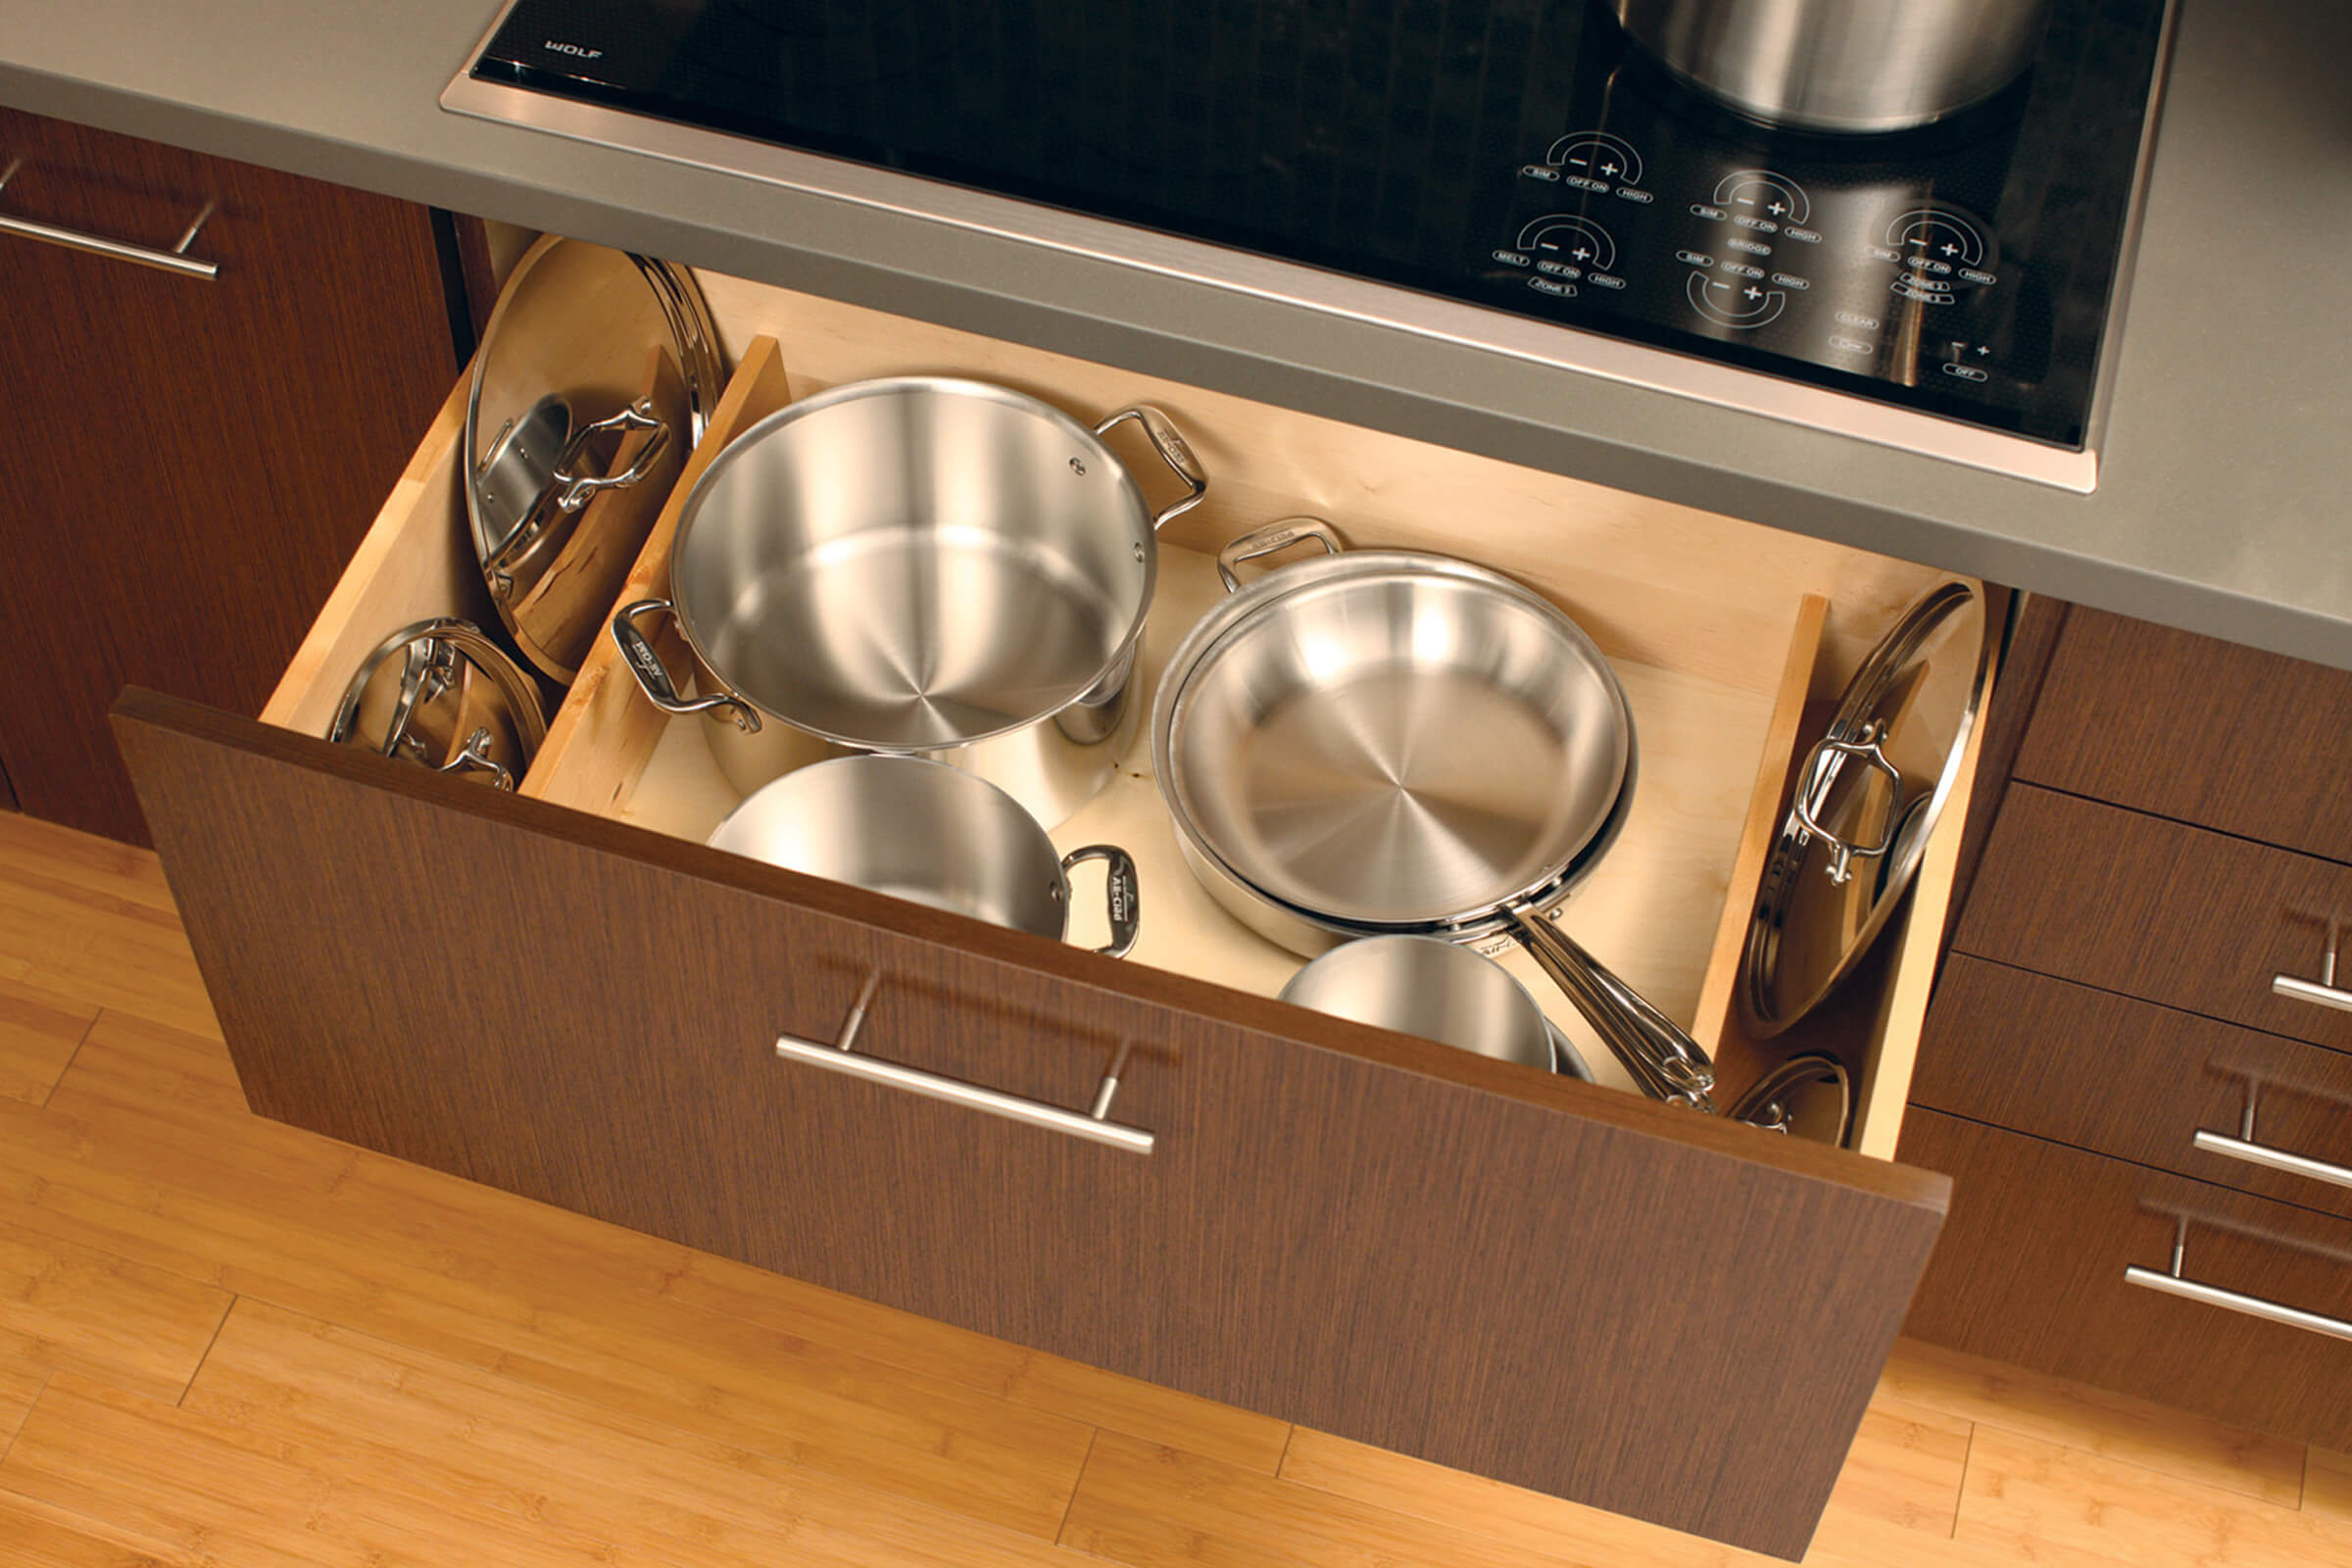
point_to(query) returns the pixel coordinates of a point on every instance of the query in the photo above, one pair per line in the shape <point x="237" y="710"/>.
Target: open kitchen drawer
<point x="562" y="993"/>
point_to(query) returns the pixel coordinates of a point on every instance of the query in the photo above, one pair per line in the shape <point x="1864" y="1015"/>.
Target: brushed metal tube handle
<point x="1122" y="894"/>
<point x="1272" y="537"/>
<point x="2322" y="991"/>
<point x="1094" y="1124"/>
<point x="1173" y="450"/>
<point x="2294" y="1318"/>
<point x="654" y="681"/>
<point x="2311" y="991"/>
<point x="2253" y="1153"/>
<point x="175" y="260"/>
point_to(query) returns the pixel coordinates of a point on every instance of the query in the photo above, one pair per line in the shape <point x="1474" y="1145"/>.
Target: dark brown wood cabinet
<point x="1561" y="1285"/>
<point x="190" y="463"/>
<point x="2033" y="1268"/>
<point x="2110" y="1009"/>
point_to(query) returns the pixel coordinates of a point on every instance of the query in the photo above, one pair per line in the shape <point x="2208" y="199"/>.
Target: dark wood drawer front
<point x="1556" y="1285"/>
<point x="2030" y="1271"/>
<point x="2136" y="904"/>
<point x="2127" y="1078"/>
<point x="2209" y="732"/>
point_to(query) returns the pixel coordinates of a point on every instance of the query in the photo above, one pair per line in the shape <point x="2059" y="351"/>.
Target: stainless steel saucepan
<point x="1387" y="742"/>
<point x="922" y="566"/>
<point x="930" y="833"/>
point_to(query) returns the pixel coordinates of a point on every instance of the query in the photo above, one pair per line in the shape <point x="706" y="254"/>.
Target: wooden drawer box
<point x="2127" y="1078"/>
<point x="564" y="993"/>
<point x="2135" y="904"/>
<point x="2030" y="1271"/>
<point x="2203" y="731"/>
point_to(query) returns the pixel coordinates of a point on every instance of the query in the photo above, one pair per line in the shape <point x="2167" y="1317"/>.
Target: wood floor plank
<point x="2193" y="1447"/>
<point x="64" y="853"/>
<point x="1902" y="1478"/>
<point x="1153" y="1506"/>
<point x="65" y="1307"/>
<point x="2051" y="1504"/>
<point x="35" y="1535"/>
<point x="398" y="1416"/>
<point x="2328" y="1484"/>
<point x="39" y="1031"/>
<point x="20" y="1382"/>
<point x="242" y="1494"/>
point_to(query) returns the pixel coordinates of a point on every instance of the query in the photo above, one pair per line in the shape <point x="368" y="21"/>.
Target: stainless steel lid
<point x="441" y="695"/>
<point x="1804" y="1096"/>
<point x="1867" y="799"/>
<point x="559" y="381"/>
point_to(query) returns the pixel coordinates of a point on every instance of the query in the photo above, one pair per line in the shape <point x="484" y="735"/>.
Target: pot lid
<point x="441" y="695"/>
<point x="563" y="359"/>
<point x="1868" y="796"/>
<point x="1804" y="1096"/>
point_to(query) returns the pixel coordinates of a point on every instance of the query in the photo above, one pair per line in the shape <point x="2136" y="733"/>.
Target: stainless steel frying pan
<point x="1375" y="743"/>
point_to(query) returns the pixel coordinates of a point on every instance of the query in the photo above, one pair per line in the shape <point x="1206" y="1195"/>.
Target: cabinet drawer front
<point x="2135" y="904"/>
<point x="2030" y="1271"/>
<point x="2184" y="726"/>
<point x="1499" y="1270"/>
<point x="2127" y="1078"/>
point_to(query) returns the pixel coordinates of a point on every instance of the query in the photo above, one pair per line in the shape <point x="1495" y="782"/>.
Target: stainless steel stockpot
<point x="933" y="834"/>
<point x="1385" y="743"/>
<point x="1841" y="65"/>
<point x="924" y="566"/>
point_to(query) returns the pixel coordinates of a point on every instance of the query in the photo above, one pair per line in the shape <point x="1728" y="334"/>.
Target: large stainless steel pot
<point x="1841" y="65"/>
<point x="922" y="566"/>
<point x="936" y="835"/>
<point x="1384" y="742"/>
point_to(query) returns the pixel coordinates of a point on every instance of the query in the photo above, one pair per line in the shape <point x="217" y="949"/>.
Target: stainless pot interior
<point x="1393" y="740"/>
<point x="911" y="828"/>
<point x="914" y="564"/>
<point x="1424" y="986"/>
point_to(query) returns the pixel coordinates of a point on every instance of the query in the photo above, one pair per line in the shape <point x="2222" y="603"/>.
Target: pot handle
<point x="1664" y="1060"/>
<point x="1173" y="450"/>
<point x="646" y="666"/>
<point x="638" y="416"/>
<point x="1122" y="894"/>
<point x="1272" y="537"/>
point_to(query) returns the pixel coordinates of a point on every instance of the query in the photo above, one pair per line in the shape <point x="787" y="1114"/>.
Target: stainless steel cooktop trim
<point x="1333" y="294"/>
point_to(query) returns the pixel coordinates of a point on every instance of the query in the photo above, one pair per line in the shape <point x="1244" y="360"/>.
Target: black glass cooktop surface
<point x="1514" y="154"/>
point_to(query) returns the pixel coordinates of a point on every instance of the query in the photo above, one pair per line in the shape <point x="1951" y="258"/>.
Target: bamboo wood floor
<point x="223" y="1341"/>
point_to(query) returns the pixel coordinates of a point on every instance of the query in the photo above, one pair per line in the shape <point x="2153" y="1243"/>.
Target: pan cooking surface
<point x="1400" y="749"/>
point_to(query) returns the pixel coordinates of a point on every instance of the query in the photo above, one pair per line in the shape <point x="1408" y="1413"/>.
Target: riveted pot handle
<point x="1660" y="1056"/>
<point x="1173" y="450"/>
<point x="1272" y="537"/>
<point x="1123" y="898"/>
<point x="646" y="666"/>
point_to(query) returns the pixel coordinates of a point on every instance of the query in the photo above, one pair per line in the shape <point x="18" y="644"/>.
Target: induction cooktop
<point x="1507" y="173"/>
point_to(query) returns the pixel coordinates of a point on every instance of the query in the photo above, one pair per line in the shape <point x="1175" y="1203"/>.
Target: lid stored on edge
<point x="1867" y="799"/>
<point x="1804" y="1096"/>
<point x="441" y="695"/>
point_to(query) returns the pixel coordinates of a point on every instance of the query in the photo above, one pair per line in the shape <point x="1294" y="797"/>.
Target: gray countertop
<point x="2228" y="446"/>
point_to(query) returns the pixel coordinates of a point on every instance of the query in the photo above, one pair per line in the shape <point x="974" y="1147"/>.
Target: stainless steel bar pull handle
<point x="2176" y="1283"/>
<point x="2322" y="991"/>
<point x="176" y="259"/>
<point x="1093" y="1124"/>
<point x="2243" y="1146"/>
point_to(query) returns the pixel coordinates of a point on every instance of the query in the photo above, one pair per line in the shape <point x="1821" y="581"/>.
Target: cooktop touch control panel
<point x="1514" y="154"/>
